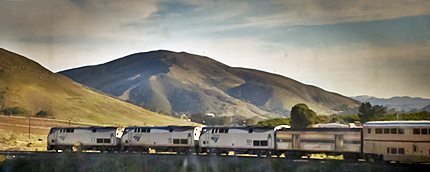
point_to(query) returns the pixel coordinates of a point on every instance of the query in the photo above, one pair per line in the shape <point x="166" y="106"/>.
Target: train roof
<point x="321" y="129"/>
<point x="240" y="127"/>
<point x="163" y="127"/>
<point x="396" y="123"/>
<point x="89" y="127"/>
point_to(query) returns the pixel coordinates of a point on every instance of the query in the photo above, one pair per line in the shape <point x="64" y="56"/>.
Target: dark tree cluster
<point x="302" y="116"/>
<point x="367" y="112"/>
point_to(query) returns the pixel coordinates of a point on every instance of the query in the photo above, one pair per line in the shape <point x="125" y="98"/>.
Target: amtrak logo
<point x="137" y="138"/>
<point x="62" y="137"/>
<point x="215" y="138"/>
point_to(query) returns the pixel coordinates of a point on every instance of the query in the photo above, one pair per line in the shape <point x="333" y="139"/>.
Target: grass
<point x="18" y="141"/>
<point x="14" y="132"/>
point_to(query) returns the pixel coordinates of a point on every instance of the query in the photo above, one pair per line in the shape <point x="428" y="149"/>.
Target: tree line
<point x="301" y="116"/>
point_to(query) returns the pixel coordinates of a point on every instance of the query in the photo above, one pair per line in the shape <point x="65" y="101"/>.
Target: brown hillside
<point x="26" y="84"/>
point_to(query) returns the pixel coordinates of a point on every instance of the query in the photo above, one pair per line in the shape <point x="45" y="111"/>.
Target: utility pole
<point x="29" y="126"/>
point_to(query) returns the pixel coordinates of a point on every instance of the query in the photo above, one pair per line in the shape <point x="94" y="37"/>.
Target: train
<point x="398" y="141"/>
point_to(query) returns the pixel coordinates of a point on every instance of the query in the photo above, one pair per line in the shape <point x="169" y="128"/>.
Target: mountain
<point x="172" y="82"/>
<point x="427" y="108"/>
<point x="400" y="104"/>
<point x="27" y="86"/>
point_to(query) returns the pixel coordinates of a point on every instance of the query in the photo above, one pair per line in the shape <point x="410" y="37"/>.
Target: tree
<point x="275" y="122"/>
<point x="302" y="116"/>
<point x="367" y="112"/>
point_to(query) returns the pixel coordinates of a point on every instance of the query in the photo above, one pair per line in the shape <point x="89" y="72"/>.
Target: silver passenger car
<point x="401" y="141"/>
<point x="336" y="141"/>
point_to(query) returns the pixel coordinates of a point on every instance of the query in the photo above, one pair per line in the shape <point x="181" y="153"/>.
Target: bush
<point x="14" y="111"/>
<point x="275" y="122"/>
<point x="322" y="119"/>
<point x="411" y="116"/>
<point x="43" y="114"/>
<point x="349" y="118"/>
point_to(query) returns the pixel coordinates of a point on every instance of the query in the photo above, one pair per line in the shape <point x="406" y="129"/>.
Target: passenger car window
<point x="401" y="151"/>
<point x="424" y="131"/>
<point x="378" y="131"/>
<point x="416" y="131"/>
<point x="393" y="131"/>
<point x="393" y="150"/>
<point x="386" y="131"/>
<point x="401" y="131"/>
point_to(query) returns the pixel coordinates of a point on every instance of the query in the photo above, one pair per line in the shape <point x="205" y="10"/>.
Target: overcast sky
<point x="353" y="47"/>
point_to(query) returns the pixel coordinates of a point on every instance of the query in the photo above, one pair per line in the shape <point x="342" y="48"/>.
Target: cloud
<point x="275" y="13"/>
<point x="347" y="46"/>
<point x="362" y="69"/>
<point x="45" y="18"/>
<point x="311" y="12"/>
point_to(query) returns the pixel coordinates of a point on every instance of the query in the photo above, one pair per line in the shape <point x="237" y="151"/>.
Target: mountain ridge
<point x="427" y="108"/>
<point x="28" y="85"/>
<point x="396" y="103"/>
<point x="181" y="82"/>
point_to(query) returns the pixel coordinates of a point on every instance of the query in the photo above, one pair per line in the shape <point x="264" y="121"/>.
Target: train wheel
<point x="218" y="153"/>
<point x="68" y="149"/>
<point x="268" y="154"/>
<point x="293" y="155"/>
<point x="77" y="147"/>
<point x="259" y="154"/>
<point x="374" y="158"/>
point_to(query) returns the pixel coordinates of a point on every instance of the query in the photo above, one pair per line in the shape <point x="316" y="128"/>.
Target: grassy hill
<point x="177" y="83"/>
<point x="27" y="88"/>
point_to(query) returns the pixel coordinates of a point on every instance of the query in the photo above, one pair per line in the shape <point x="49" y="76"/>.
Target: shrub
<point x="275" y="122"/>
<point x="14" y="111"/>
<point x="44" y="114"/>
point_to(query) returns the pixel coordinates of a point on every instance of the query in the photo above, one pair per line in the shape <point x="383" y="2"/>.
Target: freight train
<point x="401" y="141"/>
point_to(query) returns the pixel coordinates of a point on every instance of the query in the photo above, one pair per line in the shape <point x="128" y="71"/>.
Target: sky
<point x="368" y="47"/>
